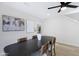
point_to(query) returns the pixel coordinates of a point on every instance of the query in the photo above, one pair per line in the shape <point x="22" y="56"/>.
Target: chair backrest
<point x="47" y="48"/>
<point x="22" y="40"/>
<point x="34" y="37"/>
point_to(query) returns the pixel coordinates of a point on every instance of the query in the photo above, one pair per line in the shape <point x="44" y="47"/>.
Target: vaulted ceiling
<point x="40" y="9"/>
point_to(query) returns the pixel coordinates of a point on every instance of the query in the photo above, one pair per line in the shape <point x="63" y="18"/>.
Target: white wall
<point x="7" y="38"/>
<point x="65" y="29"/>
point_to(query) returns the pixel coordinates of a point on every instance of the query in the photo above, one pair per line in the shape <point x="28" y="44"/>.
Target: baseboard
<point x="65" y="44"/>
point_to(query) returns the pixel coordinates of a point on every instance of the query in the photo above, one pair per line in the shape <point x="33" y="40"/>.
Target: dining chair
<point x="49" y="48"/>
<point x="20" y="40"/>
<point x="53" y="46"/>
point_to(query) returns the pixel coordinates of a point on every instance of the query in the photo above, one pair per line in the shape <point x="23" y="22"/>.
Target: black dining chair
<point x="20" y="40"/>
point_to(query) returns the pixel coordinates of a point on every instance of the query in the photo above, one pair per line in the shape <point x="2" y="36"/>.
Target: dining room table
<point x="27" y="48"/>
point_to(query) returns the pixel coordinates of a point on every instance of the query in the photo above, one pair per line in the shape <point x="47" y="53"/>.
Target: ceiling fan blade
<point x="68" y="3"/>
<point x="72" y="6"/>
<point x="59" y="10"/>
<point x="62" y="3"/>
<point x="54" y="7"/>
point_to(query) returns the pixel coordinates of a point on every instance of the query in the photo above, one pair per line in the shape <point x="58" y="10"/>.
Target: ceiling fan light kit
<point x="63" y="8"/>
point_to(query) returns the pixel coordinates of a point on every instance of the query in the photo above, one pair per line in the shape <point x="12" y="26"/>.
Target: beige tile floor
<point x="65" y="50"/>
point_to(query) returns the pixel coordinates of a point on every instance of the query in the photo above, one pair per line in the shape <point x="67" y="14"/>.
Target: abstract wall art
<point x="10" y="23"/>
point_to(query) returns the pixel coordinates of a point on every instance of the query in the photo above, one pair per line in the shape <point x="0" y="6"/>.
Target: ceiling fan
<point x="64" y="4"/>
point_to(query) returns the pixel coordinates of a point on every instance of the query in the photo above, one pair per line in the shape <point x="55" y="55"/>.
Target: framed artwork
<point x="10" y="23"/>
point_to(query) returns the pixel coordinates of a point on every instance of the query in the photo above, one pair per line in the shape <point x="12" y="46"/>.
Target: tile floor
<point x="65" y="50"/>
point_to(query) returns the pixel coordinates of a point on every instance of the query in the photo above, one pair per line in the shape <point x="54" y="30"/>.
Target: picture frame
<point x="10" y="23"/>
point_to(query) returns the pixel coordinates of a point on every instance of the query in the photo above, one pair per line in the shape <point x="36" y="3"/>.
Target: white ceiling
<point x="74" y="16"/>
<point x="40" y="9"/>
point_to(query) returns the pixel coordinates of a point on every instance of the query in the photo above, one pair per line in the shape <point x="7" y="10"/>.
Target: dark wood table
<point x="24" y="48"/>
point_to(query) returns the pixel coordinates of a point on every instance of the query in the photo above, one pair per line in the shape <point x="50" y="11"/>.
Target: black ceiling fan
<point x="64" y="4"/>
